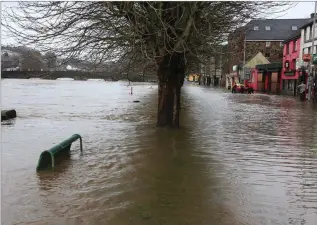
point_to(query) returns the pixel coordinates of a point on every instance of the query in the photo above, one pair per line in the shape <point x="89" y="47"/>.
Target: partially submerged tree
<point x="164" y="33"/>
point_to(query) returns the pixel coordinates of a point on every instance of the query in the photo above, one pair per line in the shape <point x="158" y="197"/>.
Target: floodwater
<point x="238" y="159"/>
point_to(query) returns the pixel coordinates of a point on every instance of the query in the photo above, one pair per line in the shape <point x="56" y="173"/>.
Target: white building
<point x="306" y="40"/>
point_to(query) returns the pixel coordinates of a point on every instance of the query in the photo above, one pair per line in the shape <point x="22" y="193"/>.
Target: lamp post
<point x="311" y="75"/>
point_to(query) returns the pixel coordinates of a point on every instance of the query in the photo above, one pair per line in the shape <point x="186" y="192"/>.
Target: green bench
<point x="47" y="158"/>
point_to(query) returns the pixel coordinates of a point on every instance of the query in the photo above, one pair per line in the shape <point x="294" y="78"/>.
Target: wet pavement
<point x="238" y="159"/>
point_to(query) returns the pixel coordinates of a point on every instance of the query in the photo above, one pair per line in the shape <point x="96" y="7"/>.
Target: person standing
<point x="302" y="91"/>
<point x="250" y="88"/>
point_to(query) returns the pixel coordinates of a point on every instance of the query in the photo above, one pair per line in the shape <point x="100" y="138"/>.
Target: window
<point x="256" y="28"/>
<point x="294" y="46"/>
<point x="293" y="64"/>
<point x="287" y="66"/>
<point x="307" y="33"/>
<point x="310" y="32"/>
<point x="280" y="55"/>
<point x="267" y="55"/>
<point x="294" y="27"/>
<point x="287" y="48"/>
<point x="281" y="44"/>
<point x="284" y="85"/>
<point x="309" y="50"/>
<point x="267" y="28"/>
<point x="267" y="44"/>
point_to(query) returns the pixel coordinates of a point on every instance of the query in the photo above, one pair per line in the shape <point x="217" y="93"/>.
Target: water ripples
<point x="238" y="159"/>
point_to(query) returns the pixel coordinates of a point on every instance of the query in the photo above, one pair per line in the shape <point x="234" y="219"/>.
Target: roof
<point x="308" y="23"/>
<point x="281" y="29"/>
<point x="293" y="36"/>
<point x="259" y="58"/>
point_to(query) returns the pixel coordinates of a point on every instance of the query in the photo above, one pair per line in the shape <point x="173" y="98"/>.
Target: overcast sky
<point x="301" y="10"/>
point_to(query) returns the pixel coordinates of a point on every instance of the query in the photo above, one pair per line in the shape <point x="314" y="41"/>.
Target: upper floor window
<point x="281" y="44"/>
<point x="293" y="64"/>
<point x="287" y="66"/>
<point x="310" y="32"/>
<point x="256" y="28"/>
<point x="307" y="33"/>
<point x="294" y="27"/>
<point x="294" y="46"/>
<point x="267" y="44"/>
<point x="287" y="48"/>
<point x="267" y="28"/>
<point x="267" y="55"/>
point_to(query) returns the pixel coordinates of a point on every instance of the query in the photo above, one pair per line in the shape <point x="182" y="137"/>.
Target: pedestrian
<point x="250" y="88"/>
<point x="302" y="91"/>
<point x="233" y="90"/>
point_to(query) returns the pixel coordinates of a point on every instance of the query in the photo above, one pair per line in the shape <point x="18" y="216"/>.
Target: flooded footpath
<point x="238" y="159"/>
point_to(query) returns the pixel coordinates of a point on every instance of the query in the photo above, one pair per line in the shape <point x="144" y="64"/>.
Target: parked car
<point x="238" y="88"/>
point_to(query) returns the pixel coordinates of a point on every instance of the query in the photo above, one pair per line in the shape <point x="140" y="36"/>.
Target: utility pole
<point x="220" y="67"/>
<point x="311" y="75"/>
<point x="244" y="49"/>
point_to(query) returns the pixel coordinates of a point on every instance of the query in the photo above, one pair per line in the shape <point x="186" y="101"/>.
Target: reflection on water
<point x="238" y="159"/>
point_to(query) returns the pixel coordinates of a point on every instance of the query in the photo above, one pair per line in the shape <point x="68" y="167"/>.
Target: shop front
<point x="266" y="78"/>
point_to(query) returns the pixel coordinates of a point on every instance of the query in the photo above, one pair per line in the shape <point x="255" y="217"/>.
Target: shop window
<point x="284" y="85"/>
<point x="290" y="85"/>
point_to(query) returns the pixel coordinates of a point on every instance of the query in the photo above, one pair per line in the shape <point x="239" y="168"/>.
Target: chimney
<point x="312" y="15"/>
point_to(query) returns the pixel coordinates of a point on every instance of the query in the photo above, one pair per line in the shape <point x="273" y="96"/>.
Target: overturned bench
<point x="8" y="114"/>
<point x="47" y="158"/>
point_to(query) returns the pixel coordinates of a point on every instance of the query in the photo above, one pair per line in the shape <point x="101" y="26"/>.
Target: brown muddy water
<point x="238" y="159"/>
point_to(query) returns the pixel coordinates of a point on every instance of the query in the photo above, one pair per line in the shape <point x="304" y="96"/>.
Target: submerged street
<point x="238" y="159"/>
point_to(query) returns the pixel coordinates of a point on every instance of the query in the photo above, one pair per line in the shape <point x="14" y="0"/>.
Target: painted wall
<point x="254" y="80"/>
<point x="291" y="52"/>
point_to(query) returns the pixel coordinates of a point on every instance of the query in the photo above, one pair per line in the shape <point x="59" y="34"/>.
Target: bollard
<point x="47" y="158"/>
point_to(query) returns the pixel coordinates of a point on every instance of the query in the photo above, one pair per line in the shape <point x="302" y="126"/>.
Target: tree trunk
<point x="171" y="78"/>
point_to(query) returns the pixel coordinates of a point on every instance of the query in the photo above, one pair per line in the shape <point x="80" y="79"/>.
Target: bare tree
<point x="51" y="60"/>
<point x="164" y="33"/>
